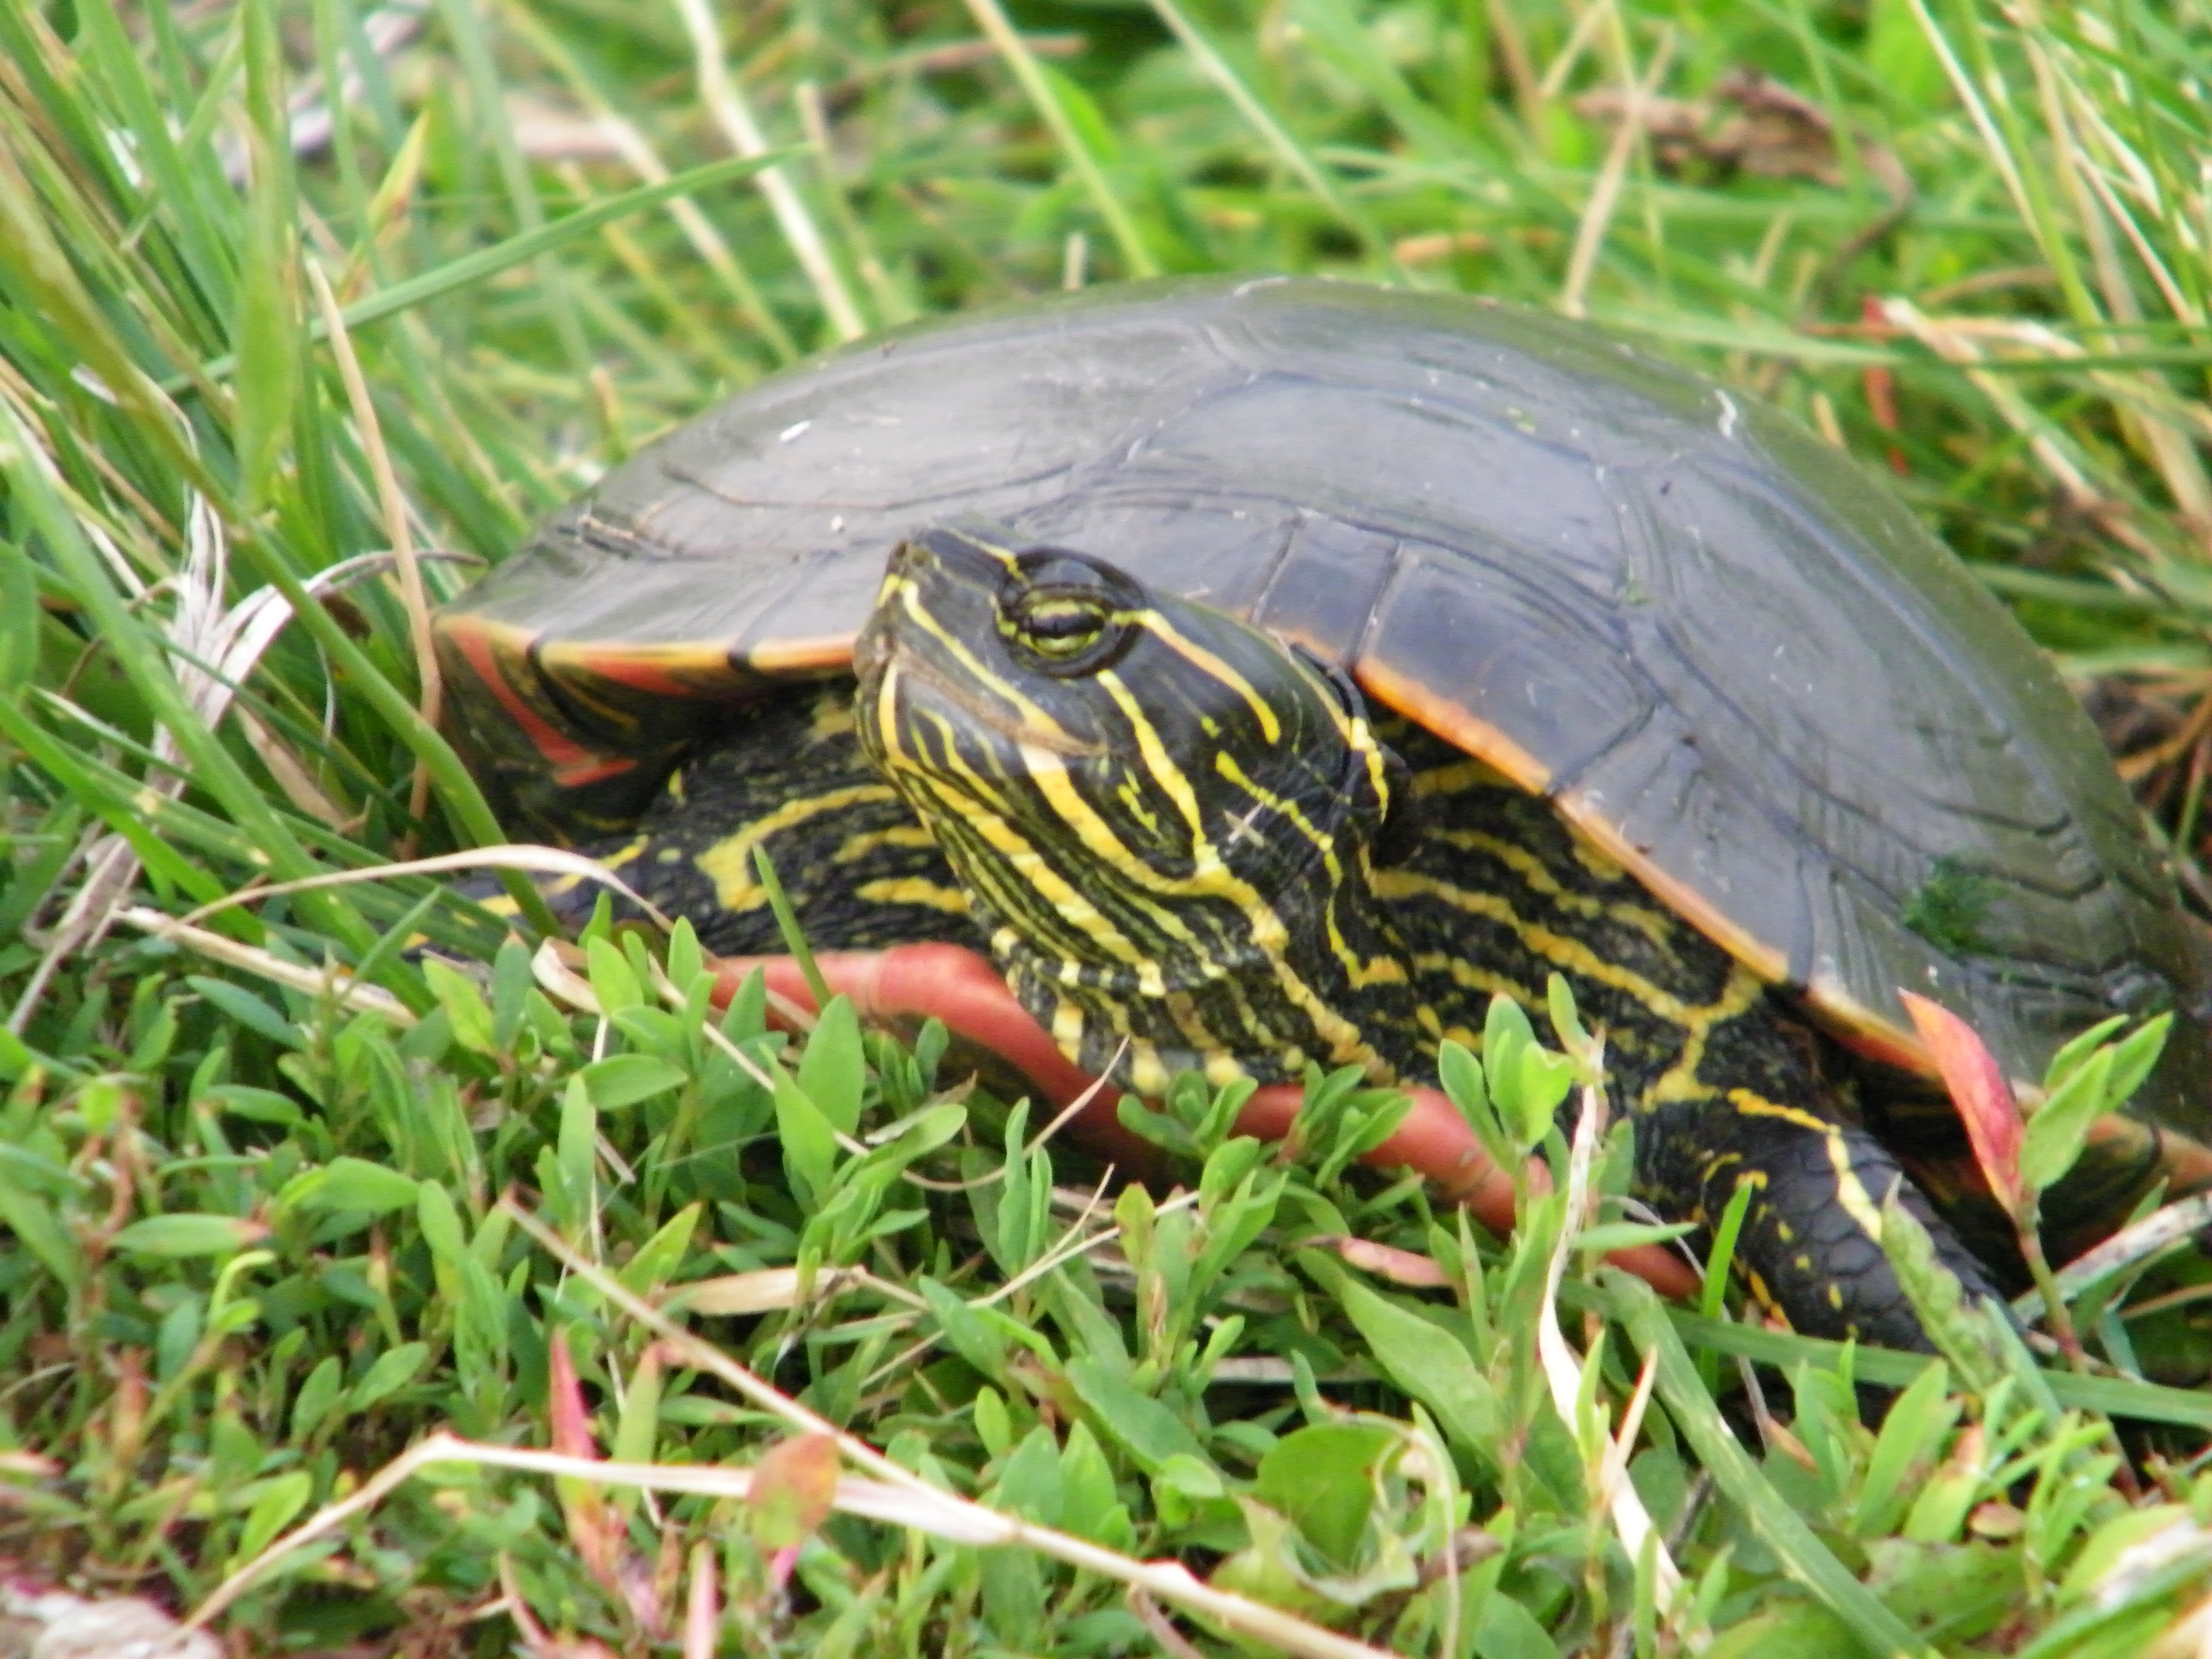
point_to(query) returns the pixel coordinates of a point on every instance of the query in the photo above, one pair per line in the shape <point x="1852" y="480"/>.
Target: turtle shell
<point x="1726" y="652"/>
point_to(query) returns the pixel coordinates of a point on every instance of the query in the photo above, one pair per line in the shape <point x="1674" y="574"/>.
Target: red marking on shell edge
<point x="1875" y="1043"/>
<point x="788" y="658"/>
<point x="1452" y="722"/>
<point x="474" y="643"/>
<point x="684" y="671"/>
<point x="1492" y="746"/>
<point x="1856" y="1026"/>
<point x="591" y="769"/>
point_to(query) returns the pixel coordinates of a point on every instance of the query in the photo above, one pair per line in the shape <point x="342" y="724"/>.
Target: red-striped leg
<point x="907" y="984"/>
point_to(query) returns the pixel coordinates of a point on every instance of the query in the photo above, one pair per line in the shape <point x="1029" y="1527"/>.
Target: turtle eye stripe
<point x="1054" y="617"/>
<point x="1067" y="634"/>
<point x="1057" y="622"/>
<point x="1046" y="612"/>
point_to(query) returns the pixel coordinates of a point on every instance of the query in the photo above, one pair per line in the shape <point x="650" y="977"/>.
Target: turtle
<point x="1265" y="673"/>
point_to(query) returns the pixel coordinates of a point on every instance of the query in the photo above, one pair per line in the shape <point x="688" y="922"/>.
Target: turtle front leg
<point x="1811" y="1246"/>
<point x="904" y="985"/>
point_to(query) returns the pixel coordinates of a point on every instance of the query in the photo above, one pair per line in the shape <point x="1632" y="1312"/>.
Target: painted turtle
<point x="1672" y="697"/>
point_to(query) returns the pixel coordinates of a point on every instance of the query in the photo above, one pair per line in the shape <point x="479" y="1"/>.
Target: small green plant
<point x="2023" y="1157"/>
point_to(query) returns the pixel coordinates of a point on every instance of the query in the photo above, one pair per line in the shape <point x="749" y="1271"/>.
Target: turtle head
<point x="1162" y="815"/>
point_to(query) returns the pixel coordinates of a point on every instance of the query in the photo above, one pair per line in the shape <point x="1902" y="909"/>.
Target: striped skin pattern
<point x="1169" y="823"/>
<point x="860" y="870"/>
<point x="1495" y="894"/>
<point x="1170" y="830"/>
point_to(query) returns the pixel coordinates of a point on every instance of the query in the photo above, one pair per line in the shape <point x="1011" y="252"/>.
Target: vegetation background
<point x="307" y="308"/>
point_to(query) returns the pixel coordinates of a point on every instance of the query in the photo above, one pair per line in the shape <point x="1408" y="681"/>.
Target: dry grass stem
<point x="540" y="860"/>
<point x="906" y="1502"/>
<point x="898" y="1497"/>
<point x="1605" y="194"/>
<point x="726" y="103"/>
<point x="398" y="531"/>
<point x="330" y="982"/>
<point x="1563" y="1368"/>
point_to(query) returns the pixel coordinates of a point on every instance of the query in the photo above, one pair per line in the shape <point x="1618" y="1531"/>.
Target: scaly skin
<point x="893" y="929"/>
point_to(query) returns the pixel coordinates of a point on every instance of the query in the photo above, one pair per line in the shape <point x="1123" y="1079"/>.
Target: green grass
<point x="262" y="1230"/>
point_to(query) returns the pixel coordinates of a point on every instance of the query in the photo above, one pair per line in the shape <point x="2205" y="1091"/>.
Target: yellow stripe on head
<point x="1163" y="812"/>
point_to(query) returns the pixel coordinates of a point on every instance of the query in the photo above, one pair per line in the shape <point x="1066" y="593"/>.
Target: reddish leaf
<point x="1780" y="1439"/>
<point x="702" y="1608"/>
<point x="633" y="1577"/>
<point x="571" y="1421"/>
<point x="1881" y="386"/>
<point x="1978" y="1090"/>
<point x="593" y="1527"/>
<point x="1384" y="1261"/>
<point x="794" y="1487"/>
<point x="781" y="1565"/>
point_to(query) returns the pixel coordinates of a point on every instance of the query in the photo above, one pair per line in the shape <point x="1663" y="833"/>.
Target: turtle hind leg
<point x="1811" y="1246"/>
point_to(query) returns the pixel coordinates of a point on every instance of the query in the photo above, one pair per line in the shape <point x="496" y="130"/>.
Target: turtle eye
<point x="1066" y="615"/>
